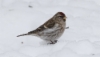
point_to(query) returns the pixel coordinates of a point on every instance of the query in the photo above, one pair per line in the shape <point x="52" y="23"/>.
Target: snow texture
<point x="82" y="39"/>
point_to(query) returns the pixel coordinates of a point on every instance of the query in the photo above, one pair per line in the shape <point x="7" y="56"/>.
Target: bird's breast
<point x="52" y="33"/>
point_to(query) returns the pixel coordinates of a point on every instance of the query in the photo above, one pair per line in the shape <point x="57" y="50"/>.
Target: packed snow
<point x="82" y="39"/>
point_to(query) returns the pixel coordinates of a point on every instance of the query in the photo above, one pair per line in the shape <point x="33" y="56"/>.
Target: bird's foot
<point x="53" y="42"/>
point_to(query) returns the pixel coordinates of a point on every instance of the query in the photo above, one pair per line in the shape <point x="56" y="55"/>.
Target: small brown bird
<point x="50" y="30"/>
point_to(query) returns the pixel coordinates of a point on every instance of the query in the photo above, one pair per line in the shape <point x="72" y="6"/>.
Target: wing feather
<point x="47" y="25"/>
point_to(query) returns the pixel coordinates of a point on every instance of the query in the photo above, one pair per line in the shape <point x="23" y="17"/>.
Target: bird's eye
<point x="60" y="16"/>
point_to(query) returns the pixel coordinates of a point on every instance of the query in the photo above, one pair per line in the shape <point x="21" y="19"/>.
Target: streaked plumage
<point x="50" y="30"/>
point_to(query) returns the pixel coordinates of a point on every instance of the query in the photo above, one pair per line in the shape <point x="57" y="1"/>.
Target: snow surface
<point x="82" y="39"/>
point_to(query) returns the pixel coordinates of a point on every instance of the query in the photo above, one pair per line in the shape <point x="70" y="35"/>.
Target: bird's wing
<point x="47" y="25"/>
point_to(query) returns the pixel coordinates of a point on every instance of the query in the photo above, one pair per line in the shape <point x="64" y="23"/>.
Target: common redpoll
<point x="50" y="30"/>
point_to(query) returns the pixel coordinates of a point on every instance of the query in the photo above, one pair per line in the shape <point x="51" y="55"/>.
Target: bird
<point x="51" y="30"/>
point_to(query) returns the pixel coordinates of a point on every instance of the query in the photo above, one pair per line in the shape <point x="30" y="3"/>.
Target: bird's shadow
<point x="45" y="43"/>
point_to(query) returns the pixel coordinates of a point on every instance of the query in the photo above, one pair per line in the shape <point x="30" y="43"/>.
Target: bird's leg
<point x="53" y="42"/>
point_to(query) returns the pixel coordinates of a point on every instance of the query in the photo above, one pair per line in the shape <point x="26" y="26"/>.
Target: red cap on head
<point x="61" y="13"/>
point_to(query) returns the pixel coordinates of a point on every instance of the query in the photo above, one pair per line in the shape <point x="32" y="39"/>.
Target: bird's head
<point x="60" y="16"/>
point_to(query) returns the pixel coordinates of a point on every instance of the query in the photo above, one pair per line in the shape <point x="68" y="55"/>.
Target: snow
<point x="78" y="47"/>
<point x="82" y="39"/>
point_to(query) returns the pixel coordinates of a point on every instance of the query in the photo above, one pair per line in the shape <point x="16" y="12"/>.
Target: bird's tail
<point x="22" y="35"/>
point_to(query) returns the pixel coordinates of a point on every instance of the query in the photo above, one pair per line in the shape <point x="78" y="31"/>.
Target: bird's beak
<point x="65" y="18"/>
